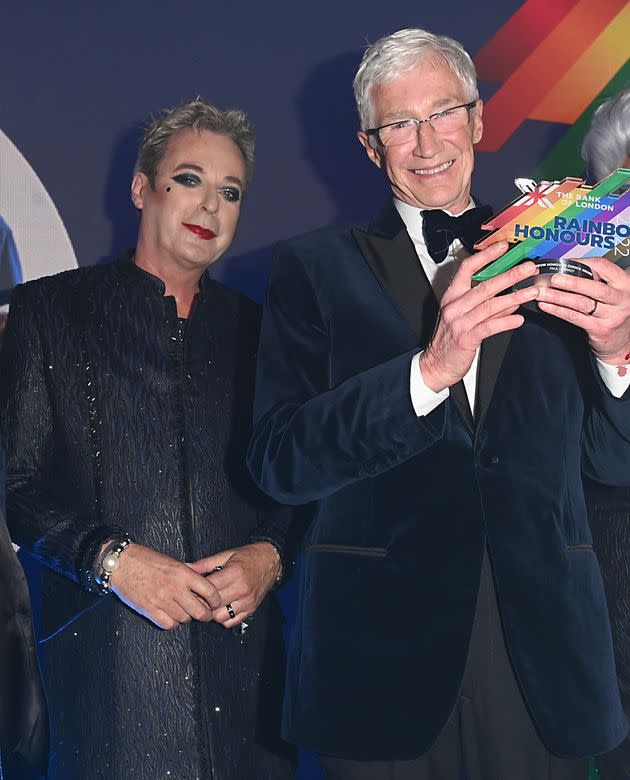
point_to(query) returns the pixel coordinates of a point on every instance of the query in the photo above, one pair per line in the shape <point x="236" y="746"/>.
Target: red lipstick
<point x="202" y="232"/>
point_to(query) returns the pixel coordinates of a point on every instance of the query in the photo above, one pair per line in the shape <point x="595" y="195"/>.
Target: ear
<point x="477" y="123"/>
<point x="139" y="184"/>
<point x="374" y="155"/>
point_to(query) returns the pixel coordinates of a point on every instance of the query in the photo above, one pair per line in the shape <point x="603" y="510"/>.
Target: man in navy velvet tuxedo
<point x="451" y="615"/>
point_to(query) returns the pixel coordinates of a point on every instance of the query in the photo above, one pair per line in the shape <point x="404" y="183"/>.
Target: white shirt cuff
<point x="610" y="376"/>
<point x="423" y="399"/>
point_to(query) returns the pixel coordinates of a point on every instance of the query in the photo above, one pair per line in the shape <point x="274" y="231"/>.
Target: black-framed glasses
<point x="405" y="130"/>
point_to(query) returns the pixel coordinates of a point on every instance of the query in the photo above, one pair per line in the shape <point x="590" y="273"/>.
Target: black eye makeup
<point x="187" y="179"/>
<point x="231" y="194"/>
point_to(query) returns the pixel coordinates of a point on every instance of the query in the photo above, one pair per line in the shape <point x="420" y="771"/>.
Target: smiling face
<point x="189" y="217"/>
<point x="434" y="171"/>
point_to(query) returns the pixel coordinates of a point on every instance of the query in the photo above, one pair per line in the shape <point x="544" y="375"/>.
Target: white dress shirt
<point x="424" y="400"/>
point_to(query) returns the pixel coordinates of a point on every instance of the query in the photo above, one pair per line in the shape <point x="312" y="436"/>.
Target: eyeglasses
<point x="406" y="130"/>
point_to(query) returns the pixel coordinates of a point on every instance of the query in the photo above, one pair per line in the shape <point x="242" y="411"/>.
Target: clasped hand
<point x="164" y="590"/>
<point x="245" y="576"/>
<point x="170" y="593"/>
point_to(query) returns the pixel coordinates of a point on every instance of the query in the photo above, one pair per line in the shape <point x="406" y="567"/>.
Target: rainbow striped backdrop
<point x="556" y="60"/>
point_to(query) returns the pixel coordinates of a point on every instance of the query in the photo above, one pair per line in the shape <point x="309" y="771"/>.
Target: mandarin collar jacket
<point x="117" y="417"/>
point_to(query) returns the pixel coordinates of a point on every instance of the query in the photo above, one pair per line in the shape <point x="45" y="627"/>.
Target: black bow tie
<point x="440" y="229"/>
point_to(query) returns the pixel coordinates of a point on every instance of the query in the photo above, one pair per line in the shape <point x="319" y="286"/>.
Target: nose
<point x="428" y="142"/>
<point x="210" y="202"/>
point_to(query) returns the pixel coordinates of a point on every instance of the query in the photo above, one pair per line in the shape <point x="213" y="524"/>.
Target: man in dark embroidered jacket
<point x="126" y="403"/>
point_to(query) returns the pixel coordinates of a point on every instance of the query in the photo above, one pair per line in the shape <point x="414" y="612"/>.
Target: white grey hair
<point x="607" y="141"/>
<point x="402" y="51"/>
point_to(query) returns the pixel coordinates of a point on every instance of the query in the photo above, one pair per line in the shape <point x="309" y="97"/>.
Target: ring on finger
<point x="594" y="309"/>
<point x="230" y="611"/>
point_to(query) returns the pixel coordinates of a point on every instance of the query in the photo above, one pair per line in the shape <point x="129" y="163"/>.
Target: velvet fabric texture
<point x="23" y="715"/>
<point x="117" y="415"/>
<point x="609" y="516"/>
<point x="405" y="505"/>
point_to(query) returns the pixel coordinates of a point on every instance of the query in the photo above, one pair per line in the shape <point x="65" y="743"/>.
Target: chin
<point x="441" y="195"/>
<point x="437" y="201"/>
<point x="446" y="200"/>
<point x="200" y="255"/>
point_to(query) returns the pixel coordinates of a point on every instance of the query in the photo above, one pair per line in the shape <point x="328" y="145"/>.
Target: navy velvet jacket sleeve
<point x="606" y="437"/>
<point x="62" y="538"/>
<point x="313" y="435"/>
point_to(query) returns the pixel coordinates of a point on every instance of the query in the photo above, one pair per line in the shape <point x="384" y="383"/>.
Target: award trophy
<point x="559" y="225"/>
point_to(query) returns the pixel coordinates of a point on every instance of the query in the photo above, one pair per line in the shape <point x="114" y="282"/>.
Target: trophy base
<point x="547" y="268"/>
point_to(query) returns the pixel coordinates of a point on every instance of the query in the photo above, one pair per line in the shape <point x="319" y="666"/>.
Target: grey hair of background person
<point x="402" y="51"/>
<point x="607" y="141"/>
<point x="198" y="116"/>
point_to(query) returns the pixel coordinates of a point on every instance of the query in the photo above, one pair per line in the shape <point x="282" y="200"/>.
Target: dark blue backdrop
<point x="79" y="79"/>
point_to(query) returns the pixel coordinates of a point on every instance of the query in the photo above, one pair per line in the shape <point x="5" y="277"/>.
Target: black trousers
<point x="490" y="735"/>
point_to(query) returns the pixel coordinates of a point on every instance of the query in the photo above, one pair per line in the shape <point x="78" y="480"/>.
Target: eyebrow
<point x="190" y="166"/>
<point x="199" y="169"/>
<point x="438" y="106"/>
<point x="445" y="101"/>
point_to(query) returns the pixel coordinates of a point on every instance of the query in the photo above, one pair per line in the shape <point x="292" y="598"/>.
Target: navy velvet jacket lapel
<point x="390" y="253"/>
<point x="388" y="249"/>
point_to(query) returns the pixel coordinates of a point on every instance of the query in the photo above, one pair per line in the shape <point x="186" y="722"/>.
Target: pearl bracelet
<point x="110" y="562"/>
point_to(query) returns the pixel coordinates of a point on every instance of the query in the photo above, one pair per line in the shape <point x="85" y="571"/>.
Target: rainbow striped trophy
<point x="560" y="224"/>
